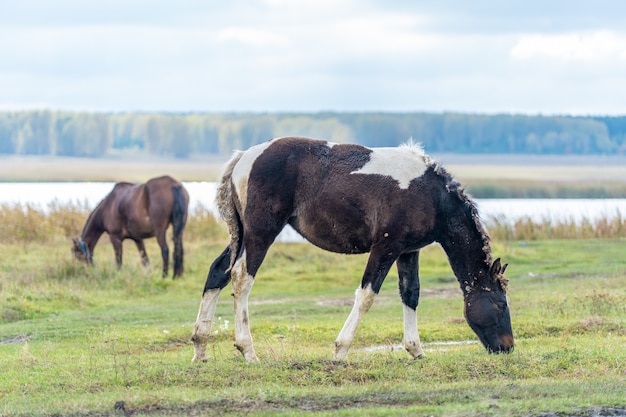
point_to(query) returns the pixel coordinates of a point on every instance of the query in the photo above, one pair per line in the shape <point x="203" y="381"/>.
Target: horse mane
<point x="453" y="186"/>
<point x="471" y="212"/>
<point x="91" y="218"/>
<point x="97" y="210"/>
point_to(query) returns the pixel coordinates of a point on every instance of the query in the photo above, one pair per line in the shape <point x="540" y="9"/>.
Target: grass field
<point x="94" y="341"/>
<point x="85" y="341"/>
<point x="139" y="169"/>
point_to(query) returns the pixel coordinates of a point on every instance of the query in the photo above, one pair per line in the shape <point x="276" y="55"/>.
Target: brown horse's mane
<point x="96" y="213"/>
<point x="89" y="223"/>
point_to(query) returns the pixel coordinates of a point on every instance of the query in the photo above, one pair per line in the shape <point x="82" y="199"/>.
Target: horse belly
<point x="141" y="228"/>
<point x="335" y="237"/>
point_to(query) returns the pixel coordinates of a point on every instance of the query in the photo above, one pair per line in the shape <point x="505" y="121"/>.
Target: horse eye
<point x="501" y="305"/>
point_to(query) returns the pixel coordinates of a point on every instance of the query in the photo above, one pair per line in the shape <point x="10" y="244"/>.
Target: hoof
<point x="199" y="352"/>
<point x="341" y="353"/>
<point x="248" y="354"/>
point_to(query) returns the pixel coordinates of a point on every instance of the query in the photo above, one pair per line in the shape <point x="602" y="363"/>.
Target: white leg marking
<point x="202" y="328"/>
<point x="363" y="300"/>
<point x="242" y="284"/>
<point x="411" y="340"/>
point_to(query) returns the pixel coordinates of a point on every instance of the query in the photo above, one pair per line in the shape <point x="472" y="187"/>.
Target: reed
<point x="27" y="223"/>
<point x="544" y="189"/>
<point x="24" y="223"/>
<point x="526" y="228"/>
<point x="202" y="224"/>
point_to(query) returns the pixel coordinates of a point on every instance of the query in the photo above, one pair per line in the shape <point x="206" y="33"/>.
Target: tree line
<point x="82" y="134"/>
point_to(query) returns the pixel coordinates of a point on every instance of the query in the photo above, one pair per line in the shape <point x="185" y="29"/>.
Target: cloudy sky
<point x="482" y="56"/>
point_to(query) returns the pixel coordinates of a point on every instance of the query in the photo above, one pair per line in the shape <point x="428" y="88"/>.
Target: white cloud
<point x="268" y="55"/>
<point x="383" y="33"/>
<point x="592" y="46"/>
<point x="251" y="36"/>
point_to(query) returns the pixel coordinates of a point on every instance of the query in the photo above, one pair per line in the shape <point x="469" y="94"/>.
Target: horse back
<point x="124" y="210"/>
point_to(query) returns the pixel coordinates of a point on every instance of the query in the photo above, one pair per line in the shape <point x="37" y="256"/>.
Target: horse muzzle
<point x="505" y="344"/>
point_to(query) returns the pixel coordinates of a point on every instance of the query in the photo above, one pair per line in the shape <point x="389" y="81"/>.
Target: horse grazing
<point x="137" y="212"/>
<point x="350" y="199"/>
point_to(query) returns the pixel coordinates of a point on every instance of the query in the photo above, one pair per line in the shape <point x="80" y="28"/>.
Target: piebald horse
<point x="138" y="212"/>
<point x="350" y="199"/>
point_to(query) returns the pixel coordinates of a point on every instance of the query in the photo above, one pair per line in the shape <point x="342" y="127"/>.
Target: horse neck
<point x="93" y="228"/>
<point x="467" y="247"/>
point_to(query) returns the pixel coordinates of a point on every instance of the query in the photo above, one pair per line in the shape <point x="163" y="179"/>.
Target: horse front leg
<point x="116" y="241"/>
<point x="142" y="252"/>
<point x="380" y="260"/>
<point x="409" y="284"/>
<point x="217" y="279"/>
<point x="363" y="300"/>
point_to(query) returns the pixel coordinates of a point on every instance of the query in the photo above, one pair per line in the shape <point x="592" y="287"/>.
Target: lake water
<point x="88" y="194"/>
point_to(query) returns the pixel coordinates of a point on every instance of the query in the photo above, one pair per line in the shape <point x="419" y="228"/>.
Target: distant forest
<point x="185" y="134"/>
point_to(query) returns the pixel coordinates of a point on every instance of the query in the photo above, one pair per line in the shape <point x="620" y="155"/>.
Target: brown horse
<point x="348" y="199"/>
<point x="137" y="212"/>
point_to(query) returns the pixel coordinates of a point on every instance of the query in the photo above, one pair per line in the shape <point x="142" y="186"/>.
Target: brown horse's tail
<point x="228" y="211"/>
<point x="179" y="219"/>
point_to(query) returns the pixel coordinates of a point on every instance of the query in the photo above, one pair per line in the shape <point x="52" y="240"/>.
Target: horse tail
<point x="179" y="219"/>
<point x="227" y="209"/>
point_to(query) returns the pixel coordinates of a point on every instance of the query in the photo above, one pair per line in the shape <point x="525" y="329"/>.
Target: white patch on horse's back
<point x="241" y="173"/>
<point x="403" y="164"/>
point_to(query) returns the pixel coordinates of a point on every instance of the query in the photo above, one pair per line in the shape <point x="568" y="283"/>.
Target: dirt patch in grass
<point x="308" y="404"/>
<point x="16" y="339"/>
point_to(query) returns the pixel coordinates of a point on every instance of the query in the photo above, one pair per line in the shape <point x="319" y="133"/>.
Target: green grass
<point x="77" y="340"/>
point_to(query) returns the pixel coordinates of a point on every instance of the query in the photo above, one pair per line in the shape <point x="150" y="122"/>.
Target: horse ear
<point x="496" y="268"/>
<point x="503" y="268"/>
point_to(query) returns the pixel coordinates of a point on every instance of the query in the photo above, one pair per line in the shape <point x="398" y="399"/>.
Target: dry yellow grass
<point x="140" y="169"/>
<point x="553" y="173"/>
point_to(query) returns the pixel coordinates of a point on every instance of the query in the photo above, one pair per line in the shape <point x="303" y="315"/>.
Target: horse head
<point x="81" y="251"/>
<point x="487" y="311"/>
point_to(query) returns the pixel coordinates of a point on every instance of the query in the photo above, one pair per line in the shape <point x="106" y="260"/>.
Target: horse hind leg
<point x="217" y="279"/>
<point x="179" y="268"/>
<point x="165" y="251"/>
<point x="145" y="261"/>
<point x="242" y="284"/>
<point x="219" y="276"/>
<point x="243" y="273"/>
